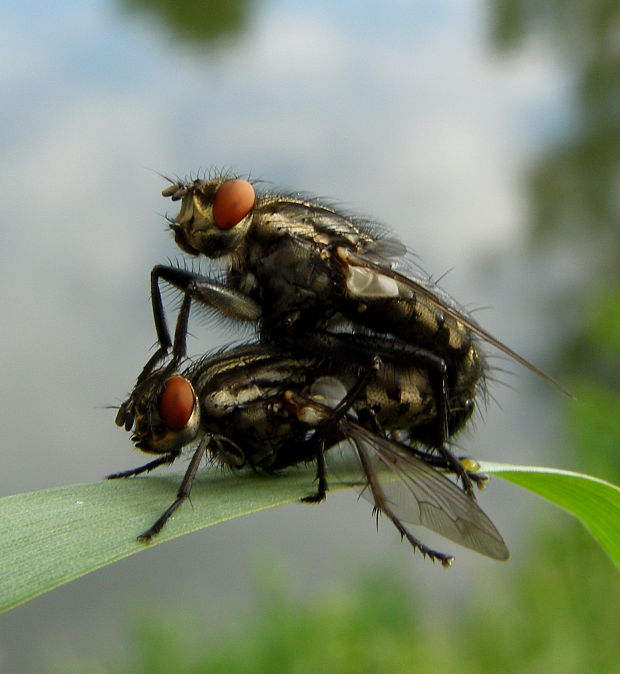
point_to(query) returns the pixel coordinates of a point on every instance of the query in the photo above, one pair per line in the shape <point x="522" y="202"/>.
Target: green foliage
<point x="559" y="614"/>
<point x="593" y="429"/>
<point x="207" y="23"/>
<point x="595" y="502"/>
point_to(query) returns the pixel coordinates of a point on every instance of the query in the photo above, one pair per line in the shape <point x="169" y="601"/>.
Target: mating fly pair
<point x="322" y="286"/>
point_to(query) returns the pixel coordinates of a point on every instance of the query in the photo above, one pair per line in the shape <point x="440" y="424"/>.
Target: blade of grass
<point x="52" y="536"/>
<point x="594" y="502"/>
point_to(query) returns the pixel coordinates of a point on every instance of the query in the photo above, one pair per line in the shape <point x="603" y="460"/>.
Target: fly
<point x="297" y="265"/>
<point x="269" y="408"/>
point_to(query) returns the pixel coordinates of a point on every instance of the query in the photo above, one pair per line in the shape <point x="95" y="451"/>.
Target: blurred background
<point x="485" y="134"/>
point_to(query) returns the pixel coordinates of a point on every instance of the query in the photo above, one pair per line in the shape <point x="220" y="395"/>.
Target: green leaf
<point x="595" y="502"/>
<point x="52" y="536"/>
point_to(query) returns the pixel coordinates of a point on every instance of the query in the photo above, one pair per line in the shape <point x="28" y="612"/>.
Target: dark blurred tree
<point x="574" y="192"/>
<point x="575" y="188"/>
<point x="207" y="23"/>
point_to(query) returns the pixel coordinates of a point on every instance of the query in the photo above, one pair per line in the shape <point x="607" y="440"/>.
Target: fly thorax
<point x="261" y="432"/>
<point x="293" y="277"/>
<point x="218" y="403"/>
<point x="245" y="281"/>
<point x="225" y="451"/>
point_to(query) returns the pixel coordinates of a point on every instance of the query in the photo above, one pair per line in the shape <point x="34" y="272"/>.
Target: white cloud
<point x="421" y="133"/>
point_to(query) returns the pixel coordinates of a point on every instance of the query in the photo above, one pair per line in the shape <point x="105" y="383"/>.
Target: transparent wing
<point x="419" y="494"/>
<point x="364" y="265"/>
<point x="386" y="248"/>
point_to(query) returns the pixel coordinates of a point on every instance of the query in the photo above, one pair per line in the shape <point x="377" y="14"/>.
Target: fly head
<point x="214" y="217"/>
<point x="166" y="414"/>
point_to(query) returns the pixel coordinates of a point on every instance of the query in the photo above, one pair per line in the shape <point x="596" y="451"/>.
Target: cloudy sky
<point x="401" y="111"/>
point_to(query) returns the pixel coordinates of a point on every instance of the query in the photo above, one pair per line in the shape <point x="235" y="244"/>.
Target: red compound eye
<point x="176" y="403"/>
<point x="234" y="199"/>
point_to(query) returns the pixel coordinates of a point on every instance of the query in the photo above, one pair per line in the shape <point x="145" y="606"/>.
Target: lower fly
<point x="268" y="408"/>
